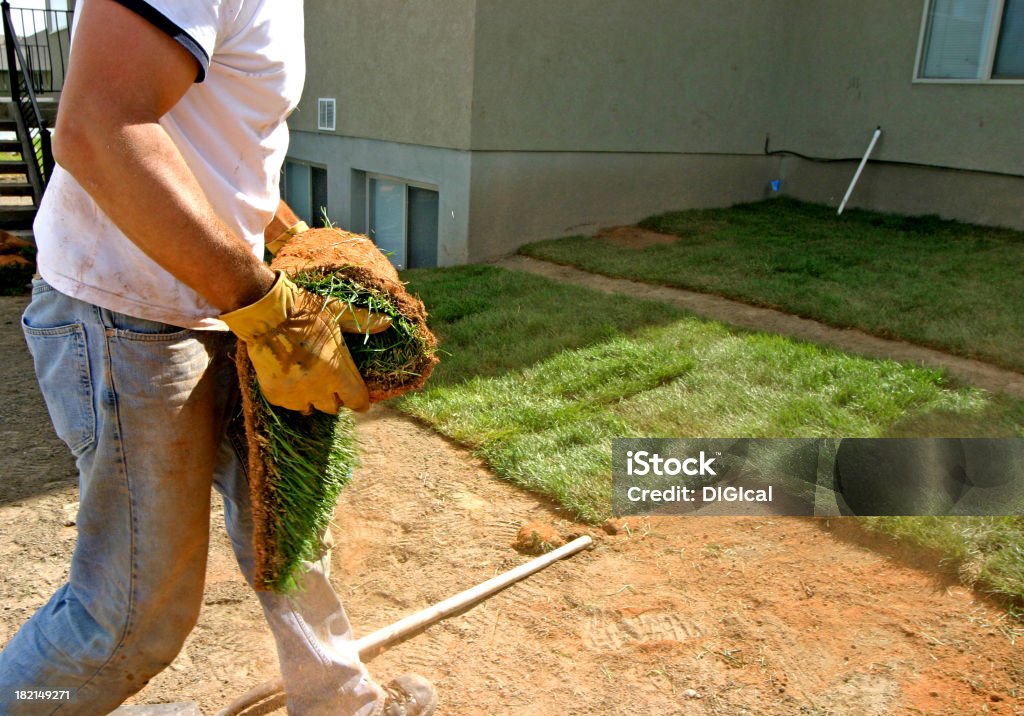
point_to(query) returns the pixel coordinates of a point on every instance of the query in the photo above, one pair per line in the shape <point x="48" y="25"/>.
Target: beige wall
<point x="517" y="197"/>
<point x="693" y="77"/>
<point x="623" y="75"/>
<point x="975" y="197"/>
<point x="651" y="76"/>
<point x="401" y="71"/>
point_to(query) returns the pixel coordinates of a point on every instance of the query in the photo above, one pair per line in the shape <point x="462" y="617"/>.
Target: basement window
<point x="402" y="219"/>
<point x="972" y="41"/>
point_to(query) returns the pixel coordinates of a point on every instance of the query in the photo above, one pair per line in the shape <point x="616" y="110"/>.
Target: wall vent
<point x="325" y="114"/>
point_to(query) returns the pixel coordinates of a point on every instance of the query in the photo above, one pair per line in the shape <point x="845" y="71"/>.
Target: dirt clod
<point x="633" y="237"/>
<point x="537" y="538"/>
<point x="617" y="526"/>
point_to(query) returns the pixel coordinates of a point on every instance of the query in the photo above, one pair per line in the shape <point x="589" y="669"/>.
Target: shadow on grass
<point x="998" y="416"/>
<point x="490" y="321"/>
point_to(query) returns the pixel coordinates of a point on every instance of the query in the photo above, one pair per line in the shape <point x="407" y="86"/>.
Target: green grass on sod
<point x="939" y="283"/>
<point x="538" y="377"/>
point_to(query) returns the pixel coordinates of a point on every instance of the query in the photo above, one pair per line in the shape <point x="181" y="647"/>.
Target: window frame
<point x="321" y="103"/>
<point x="990" y="53"/>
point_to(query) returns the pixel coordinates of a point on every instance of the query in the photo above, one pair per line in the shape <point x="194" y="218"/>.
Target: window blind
<point x="956" y="39"/>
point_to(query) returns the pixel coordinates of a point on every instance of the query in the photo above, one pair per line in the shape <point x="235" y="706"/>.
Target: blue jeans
<point x="147" y="409"/>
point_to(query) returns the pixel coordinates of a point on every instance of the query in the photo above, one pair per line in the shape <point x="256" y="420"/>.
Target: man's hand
<point x="295" y="344"/>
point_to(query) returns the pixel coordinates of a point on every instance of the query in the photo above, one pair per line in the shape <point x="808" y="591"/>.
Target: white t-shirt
<point x="230" y="128"/>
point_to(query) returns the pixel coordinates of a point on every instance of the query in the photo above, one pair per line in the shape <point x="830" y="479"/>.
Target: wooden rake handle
<point x="377" y="641"/>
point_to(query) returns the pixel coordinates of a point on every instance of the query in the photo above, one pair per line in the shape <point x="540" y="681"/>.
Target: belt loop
<point x="104" y="318"/>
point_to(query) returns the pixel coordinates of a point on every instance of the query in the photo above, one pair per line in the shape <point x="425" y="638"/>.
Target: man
<point x="170" y="139"/>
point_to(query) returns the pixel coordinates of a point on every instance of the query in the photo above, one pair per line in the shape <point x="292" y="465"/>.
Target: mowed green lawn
<point x="539" y="376"/>
<point x="938" y="283"/>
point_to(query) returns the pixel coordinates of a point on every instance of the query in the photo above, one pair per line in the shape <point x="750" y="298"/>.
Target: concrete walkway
<point x="972" y="372"/>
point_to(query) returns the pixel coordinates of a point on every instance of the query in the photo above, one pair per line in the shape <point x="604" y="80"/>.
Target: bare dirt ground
<point x="632" y="237"/>
<point x="707" y="615"/>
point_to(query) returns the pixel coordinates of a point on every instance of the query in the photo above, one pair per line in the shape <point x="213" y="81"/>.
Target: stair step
<point x="13" y="167"/>
<point x="17" y="188"/>
<point x="17" y="217"/>
<point x="10" y="145"/>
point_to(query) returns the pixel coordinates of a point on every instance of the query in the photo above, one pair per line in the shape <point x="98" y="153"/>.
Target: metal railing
<point x="44" y="37"/>
<point x="25" y="73"/>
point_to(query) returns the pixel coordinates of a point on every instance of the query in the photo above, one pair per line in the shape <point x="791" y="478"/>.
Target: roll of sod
<point x="299" y="463"/>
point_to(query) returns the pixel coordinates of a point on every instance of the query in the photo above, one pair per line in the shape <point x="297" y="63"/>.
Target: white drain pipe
<point x="856" y="175"/>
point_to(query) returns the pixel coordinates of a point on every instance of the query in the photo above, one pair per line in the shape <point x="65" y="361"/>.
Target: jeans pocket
<point x="61" y="360"/>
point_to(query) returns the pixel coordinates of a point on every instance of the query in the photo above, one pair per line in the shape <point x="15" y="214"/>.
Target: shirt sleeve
<point x="193" y="24"/>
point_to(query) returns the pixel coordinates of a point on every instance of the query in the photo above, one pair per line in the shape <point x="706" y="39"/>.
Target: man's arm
<point x="285" y="225"/>
<point x="123" y="76"/>
<point x="284" y="219"/>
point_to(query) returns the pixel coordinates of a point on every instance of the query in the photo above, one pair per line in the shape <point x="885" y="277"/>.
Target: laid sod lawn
<point x="538" y="377"/>
<point x="939" y="283"/>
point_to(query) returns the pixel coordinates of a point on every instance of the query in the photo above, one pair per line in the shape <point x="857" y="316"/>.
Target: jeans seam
<point x="131" y="335"/>
<point x="132" y="516"/>
<point x="309" y="636"/>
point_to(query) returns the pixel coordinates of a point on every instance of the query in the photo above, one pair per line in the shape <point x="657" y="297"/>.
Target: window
<point x="402" y="219"/>
<point x="972" y="40"/>
<point x="304" y="187"/>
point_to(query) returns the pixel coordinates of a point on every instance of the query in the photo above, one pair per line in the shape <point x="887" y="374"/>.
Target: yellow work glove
<point x="295" y="343"/>
<point x="285" y="236"/>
